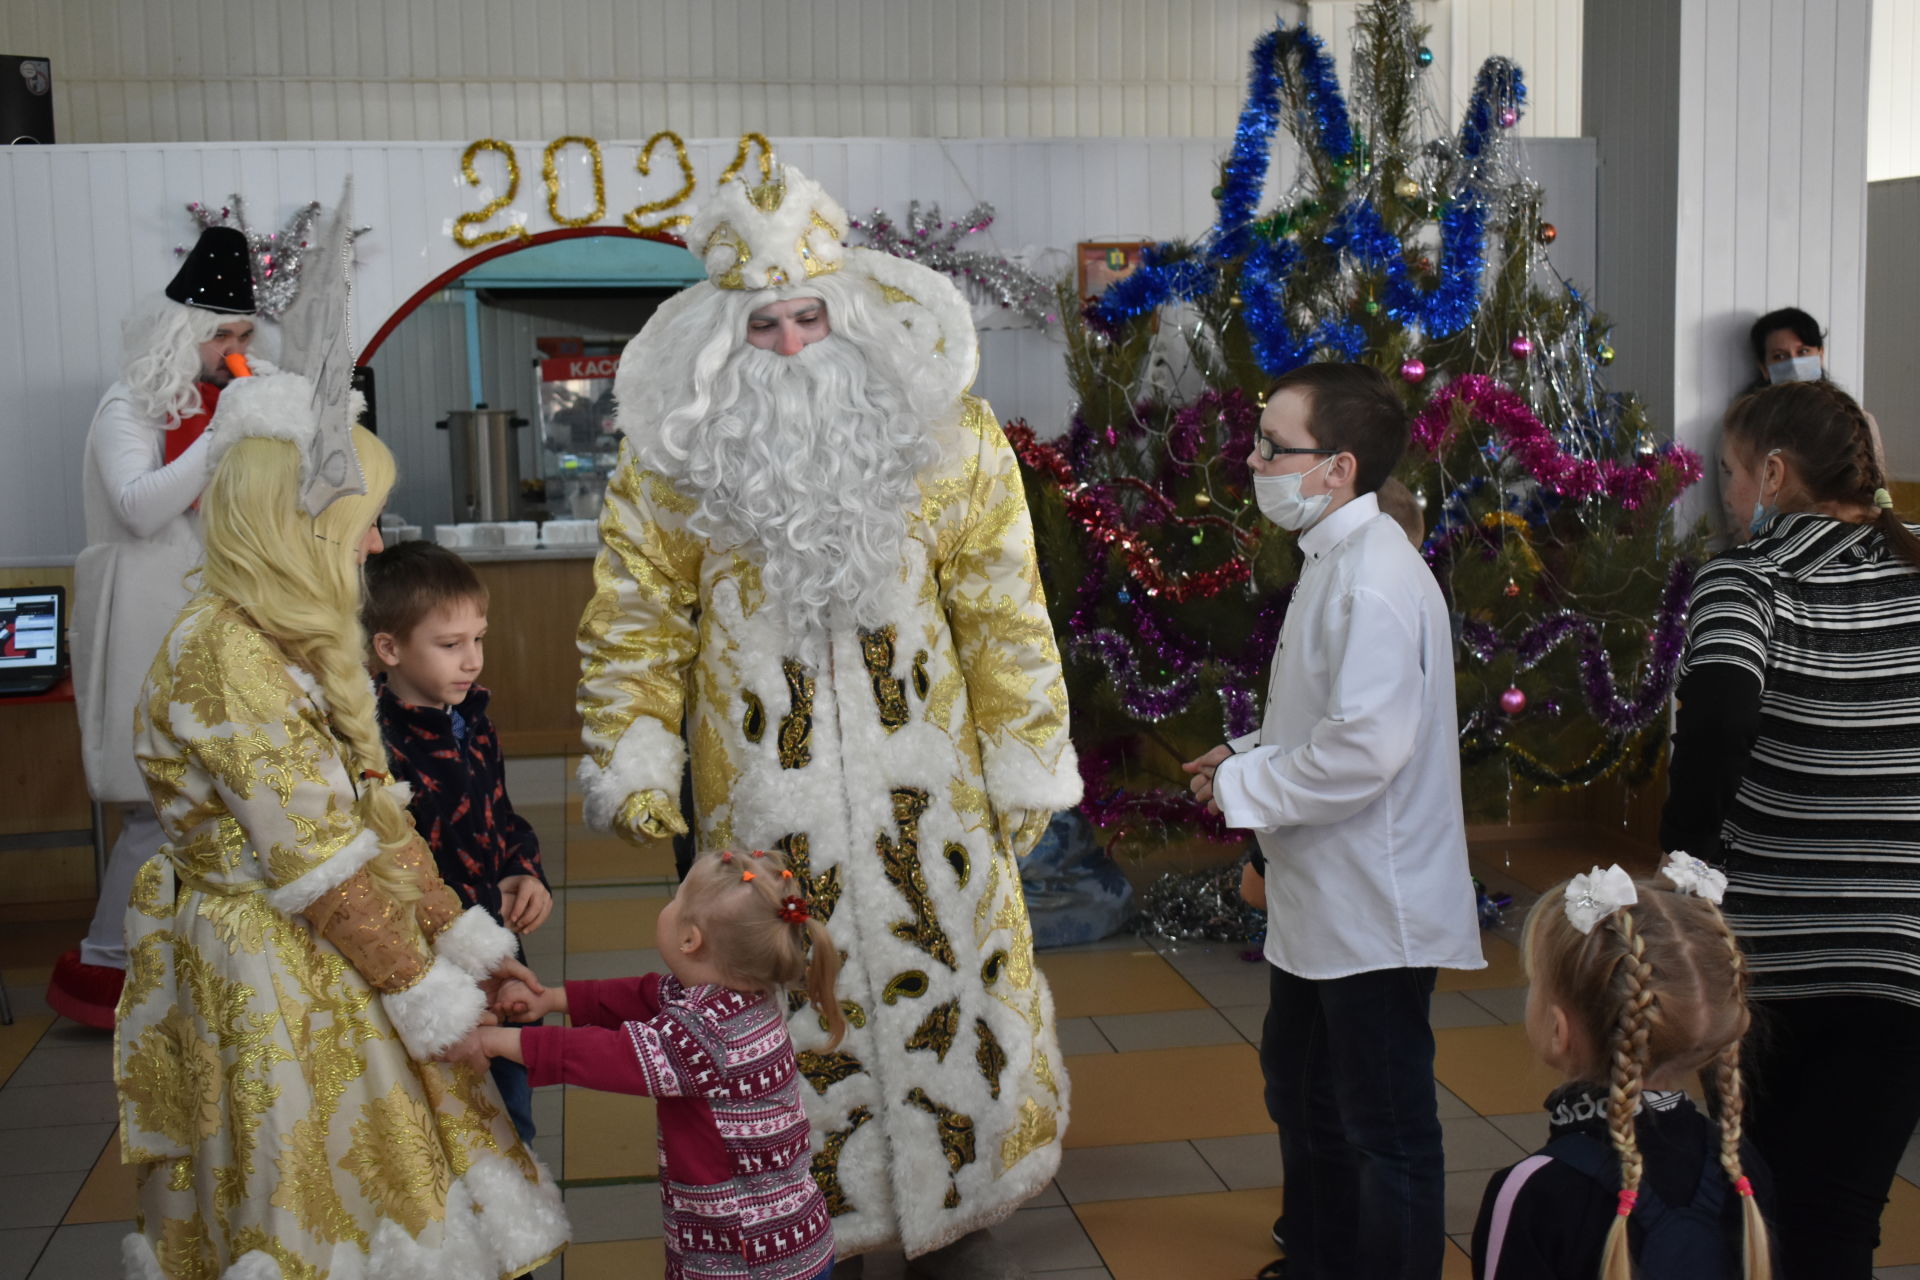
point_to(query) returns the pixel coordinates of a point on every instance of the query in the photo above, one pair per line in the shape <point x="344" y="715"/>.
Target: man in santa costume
<point x="146" y="463"/>
<point x="817" y="554"/>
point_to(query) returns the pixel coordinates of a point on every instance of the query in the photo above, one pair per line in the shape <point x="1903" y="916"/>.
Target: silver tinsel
<point x="1199" y="906"/>
<point x="931" y="242"/>
<point x="277" y="255"/>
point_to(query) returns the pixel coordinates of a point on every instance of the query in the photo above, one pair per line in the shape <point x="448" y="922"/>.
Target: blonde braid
<point x="1628" y="1052"/>
<point x="1756" y="1255"/>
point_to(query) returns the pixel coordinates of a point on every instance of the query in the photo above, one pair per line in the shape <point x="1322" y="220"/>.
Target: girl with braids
<point x="295" y="963"/>
<point x="709" y="1040"/>
<point x="1796" y="767"/>
<point x="1634" y="988"/>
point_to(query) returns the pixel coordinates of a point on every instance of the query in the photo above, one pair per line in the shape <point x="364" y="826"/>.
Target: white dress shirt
<point x="1352" y="783"/>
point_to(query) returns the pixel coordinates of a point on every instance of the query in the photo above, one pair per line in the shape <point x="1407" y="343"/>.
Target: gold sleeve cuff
<point x="439" y="906"/>
<point x="377" y="935"/>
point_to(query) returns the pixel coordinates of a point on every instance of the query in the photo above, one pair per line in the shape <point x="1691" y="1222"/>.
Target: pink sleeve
<point x="626" y="1059"/>
<point x="609" y="1002"/>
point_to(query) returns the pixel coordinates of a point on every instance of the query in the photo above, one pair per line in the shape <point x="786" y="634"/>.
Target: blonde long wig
<point x="298" y="579"/>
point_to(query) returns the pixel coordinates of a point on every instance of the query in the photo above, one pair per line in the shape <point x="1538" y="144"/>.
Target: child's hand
<point x="525" y="903"/>
<point x="500" y="1042"/>
<point x="469" y="1050"/>
<point x="517" y="1002"/>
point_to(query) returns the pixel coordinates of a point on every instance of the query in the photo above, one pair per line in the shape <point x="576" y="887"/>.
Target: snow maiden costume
<point x="284" y="999"/>
<point x="893" y="718"/>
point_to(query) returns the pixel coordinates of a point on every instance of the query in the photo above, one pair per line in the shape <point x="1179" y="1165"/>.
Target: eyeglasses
<point x="1268" y="450"/>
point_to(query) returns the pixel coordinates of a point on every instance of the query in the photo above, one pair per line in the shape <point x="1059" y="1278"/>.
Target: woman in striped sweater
<point x="1796" y="766"/>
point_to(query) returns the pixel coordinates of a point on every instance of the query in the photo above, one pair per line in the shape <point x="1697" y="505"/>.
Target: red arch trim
<point x="505" y="247"/>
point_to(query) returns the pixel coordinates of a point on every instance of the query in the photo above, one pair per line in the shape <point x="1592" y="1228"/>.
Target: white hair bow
<point x="1593" y="897"/>
<point x="1690" y="875"/>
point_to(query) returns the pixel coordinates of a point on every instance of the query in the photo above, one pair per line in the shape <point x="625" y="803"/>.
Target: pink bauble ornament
<point x="1513" y="701"/>
<point x="1522" y="347"/>
<point x="1413" y="370"/>
<point x="1509" y="118"/>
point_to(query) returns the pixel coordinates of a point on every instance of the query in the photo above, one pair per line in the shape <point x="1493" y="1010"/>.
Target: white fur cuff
<point x="298" y="895"/>
<point x="647" y="758"/>
<point x="476" y="942"/>
<point x="436" y="1011"/>
<point x="1016" y="780"/>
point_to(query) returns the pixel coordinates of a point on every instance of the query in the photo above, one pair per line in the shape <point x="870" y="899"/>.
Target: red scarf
<point x="181" y="438"/>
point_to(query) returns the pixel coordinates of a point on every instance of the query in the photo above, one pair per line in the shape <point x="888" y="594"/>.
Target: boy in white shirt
<point x="1352" y="785"/>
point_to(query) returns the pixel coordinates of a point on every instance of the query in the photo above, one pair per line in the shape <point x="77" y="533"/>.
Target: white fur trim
<point x="729" y="221"/>
<point x="938" y="316"/>
<point x="436" y="1011"/>
<point x="279" y="407"/>
<point x="497" y="1224"/>
<point x="1016" y="780"/>
<point x="298" y="895"/>
<point x="401" y="791"/>
<point x="475" y="942"/>
<point x="647" y="758"/>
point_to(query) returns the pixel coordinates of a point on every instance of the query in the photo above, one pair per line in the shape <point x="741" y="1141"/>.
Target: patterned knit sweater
<point x="736" y="1180"/>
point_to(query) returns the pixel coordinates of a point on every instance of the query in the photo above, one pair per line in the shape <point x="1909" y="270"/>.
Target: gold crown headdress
<point x="781" y="232"/>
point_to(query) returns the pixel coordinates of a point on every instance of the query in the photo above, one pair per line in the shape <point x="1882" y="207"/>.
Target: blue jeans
<point x="1349" y="1070"/>
<point x="515" y="1092"/>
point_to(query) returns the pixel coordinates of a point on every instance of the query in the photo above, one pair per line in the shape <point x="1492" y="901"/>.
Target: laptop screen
<point x="30" y="629"/>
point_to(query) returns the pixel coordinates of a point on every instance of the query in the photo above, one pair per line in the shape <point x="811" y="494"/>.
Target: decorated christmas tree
<point x="1546" y="498"/>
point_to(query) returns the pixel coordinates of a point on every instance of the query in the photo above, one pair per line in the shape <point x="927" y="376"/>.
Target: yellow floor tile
<point x="615" y="924"/>
<point x="1492" y="1069"/>
<point x="1503" y="969"/>
<point x="1900" y="1227"/>
<point x="593" y="857"/>
<point x="1222" y="1235"/>
<point x="1542" y="863"/>
<point x="617" y="1260"/>
<point x="1127" y="1097"/>
<point x="1086" y="983"/>
<point x="18" y="1040"/>
<point x="108" y="1193"/>
<point x="1458" y="1264"/>
<point x="609" y="1135"/>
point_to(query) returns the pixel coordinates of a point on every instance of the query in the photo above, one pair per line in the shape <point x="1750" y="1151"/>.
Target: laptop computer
<point x="32" y="621"/>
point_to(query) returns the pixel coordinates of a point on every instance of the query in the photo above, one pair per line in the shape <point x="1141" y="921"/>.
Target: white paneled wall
<point x="237" y="70"/>
<point x="1893" y="98"/>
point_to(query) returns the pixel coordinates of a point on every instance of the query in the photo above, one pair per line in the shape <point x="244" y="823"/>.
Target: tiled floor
<point x="1156" y="1181"/>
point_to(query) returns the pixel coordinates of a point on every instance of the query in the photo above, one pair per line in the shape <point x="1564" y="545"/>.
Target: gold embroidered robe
<point x="280" y="1124"/>
<point x="904" y="769"/>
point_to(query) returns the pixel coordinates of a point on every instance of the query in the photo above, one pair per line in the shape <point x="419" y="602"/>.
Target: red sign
<point x="576" y="368"/>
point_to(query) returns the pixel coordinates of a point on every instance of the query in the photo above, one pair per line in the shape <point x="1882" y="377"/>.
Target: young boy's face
<point x="437" y="663"/>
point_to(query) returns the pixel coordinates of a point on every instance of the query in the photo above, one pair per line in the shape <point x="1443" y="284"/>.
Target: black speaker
<point x="26" y="99"/>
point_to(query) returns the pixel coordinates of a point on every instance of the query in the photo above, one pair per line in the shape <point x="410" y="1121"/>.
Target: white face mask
<point x="1281" y="501"/>
<point x="1798" y="369"/>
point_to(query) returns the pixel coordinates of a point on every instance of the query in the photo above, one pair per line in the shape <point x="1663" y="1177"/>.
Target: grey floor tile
<point x="1450" y="1105"/>
<point x="64" y="1064"/>
<point x="1472" y="1143"/>
<point x="1910" y="1162"/>
<point x="1172" y="1029"/>
<point x="53" y="1150"/>
<point x="1249" y="1019"/>
<point x="1508" y="1004"/>
<point x="549" y="1108"/>
<point x="1221" y="987"/>
<point x="92" y="1249"/>
<point x="1080" y="1035"/>
<point x="1079" y="1273"/>
<point x="1246" y="1162"/>
<point x="1047" y="1198"/>
<point x="537" y="780"/>
<point x="20" y="1250"/>
<point x="1897" y="1273"/>
<point x="38" y="1199"/>
<point x="555" y="1270"/>
<point x="551" y="1149"/>
<point x="1528" y="1129"/>
<point x="65" y="1033"/>
<point x="1047" y="1240"/>
<point x="630" y="1211"/>
<point x="1464" y="1190"/>
<point x="591" y="965"/>
<point x="36" y="1106"/>
<point x="1453" y="1009"/>
<point x="1134" y="1171"/>
<point x="29" y="1000"/>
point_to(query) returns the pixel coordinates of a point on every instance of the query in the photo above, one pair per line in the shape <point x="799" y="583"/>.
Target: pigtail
<point x="823" y="969"/>
<point x="1628" y="1055"/>
<point x="1756" y="1250"/>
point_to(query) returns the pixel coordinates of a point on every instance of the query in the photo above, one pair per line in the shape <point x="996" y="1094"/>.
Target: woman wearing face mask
<point x="1796" y="766"/>
<point x="1788" y="346"/>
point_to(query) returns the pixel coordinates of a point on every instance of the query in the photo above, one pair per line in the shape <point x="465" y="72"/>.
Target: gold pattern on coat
<point x="889" y="691"/>
<point x="796" y="727"/>
<point x="900" y="859"/>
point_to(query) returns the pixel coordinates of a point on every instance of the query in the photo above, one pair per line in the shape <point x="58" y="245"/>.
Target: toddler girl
<point x="710" y="1042"/>
<point x="1635" y="986"/>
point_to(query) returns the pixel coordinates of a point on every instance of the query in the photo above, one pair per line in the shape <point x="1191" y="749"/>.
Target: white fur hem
<point x="475" y="942"/>
<point x="647" y="758"/>
<point x="1016" y="780"/>
<point x="436" y="1011"/>
<point x="298" y="895"/>
<point x="498" y="1224"/>
<point x="279" y="407"/>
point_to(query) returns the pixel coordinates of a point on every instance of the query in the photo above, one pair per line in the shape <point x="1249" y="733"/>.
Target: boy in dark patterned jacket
<point x="426" y="618"/>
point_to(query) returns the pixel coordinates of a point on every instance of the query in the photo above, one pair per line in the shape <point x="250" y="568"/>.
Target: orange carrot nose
<point x="237" y="365"/>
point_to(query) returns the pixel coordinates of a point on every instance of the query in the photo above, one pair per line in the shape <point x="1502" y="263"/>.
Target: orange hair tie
<point x="368" y="775"/>
<point x="746" y="875"/>
<point x="785" y="874"/>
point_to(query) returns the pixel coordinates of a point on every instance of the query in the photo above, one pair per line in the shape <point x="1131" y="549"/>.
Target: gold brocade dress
<point x="279" y="1005"/>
